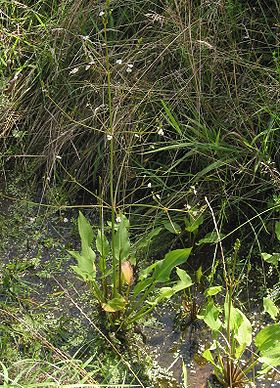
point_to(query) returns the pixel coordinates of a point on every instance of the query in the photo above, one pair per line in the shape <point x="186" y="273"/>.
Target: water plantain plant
<point x="234" y="362"/>
<point x="110" y="274"/>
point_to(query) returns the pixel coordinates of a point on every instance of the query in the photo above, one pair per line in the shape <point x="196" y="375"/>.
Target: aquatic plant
<point x="110" y="274"/>
<point x="232" y="337"/>
<point x="232" y="331"/>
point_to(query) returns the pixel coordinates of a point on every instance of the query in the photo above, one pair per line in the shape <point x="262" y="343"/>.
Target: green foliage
<point x="137" y="110"/>
<point x="232" y="333"/>
<point x="218" y="136"/>
<point x="271" y="258"/>
<point x="268" y="344"/>
<point x="270" y="308"/>
<point x="124" y="298"/>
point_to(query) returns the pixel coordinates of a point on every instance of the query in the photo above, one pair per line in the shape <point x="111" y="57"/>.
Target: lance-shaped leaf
<point x="85" y="230"/>
<point x="159" y="272"/>
<point x="171" y="260"/>
<point x="239" y="325"/>
<point x="277" y="230"/>
<point x="86" y="258"/>
<point x="121" y="241"/>
<point x="167" y="292"/>
<point x="86" y="234"/>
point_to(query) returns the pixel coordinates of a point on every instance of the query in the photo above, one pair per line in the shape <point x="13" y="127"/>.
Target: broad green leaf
<point x="80" y="273"/>
<point x="268" y="337"/>
<point x="213" y="290"/>
<point x="102" y="244"/>
<point x="184" y="282"/>
<point x="273" y="258"/>
<point x="239" y="325"/>
<point x="171" y="260"/>
<point x="267" y="342"/>
<point x="86" y="266"/>
<point x="86" y="260"/>
<point x="161" y="270"/>
<point x="121" y="241"/>
<point x="270" y="308"/>
<point x="116" y="304"/>
<point x="167" y="292"/>
<point x="210" y="315"/>
<point x="277" y="230"/>
<point x="85" y="230"/>
<point x="172" y="227"/>
<point x="193" y="223"/>
<point x="244" y="334"/>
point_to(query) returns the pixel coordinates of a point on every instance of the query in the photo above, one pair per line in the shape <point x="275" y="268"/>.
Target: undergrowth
<point x="165" y="111"/>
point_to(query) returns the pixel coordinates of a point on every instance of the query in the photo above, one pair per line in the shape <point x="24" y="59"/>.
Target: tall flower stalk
<point x="110" y="135"/>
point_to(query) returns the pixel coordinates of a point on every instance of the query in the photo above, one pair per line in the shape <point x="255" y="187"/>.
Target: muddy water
<point x="170" y="347"/>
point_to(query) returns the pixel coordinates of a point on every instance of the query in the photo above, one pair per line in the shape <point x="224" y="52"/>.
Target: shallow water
<point x="170" y="347"/>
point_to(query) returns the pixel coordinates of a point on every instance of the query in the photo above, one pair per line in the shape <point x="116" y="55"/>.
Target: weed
<point x="111" y="277"/>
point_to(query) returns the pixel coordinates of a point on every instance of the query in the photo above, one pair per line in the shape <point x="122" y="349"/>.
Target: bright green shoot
<point x="110" y="275"/>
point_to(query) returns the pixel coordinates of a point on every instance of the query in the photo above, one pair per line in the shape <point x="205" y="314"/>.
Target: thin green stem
<point x="110" y="137"/>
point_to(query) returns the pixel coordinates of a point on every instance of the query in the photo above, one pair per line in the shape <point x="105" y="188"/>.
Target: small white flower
<point x="194" y="190"/>
<point x="85" y="37"/>
<point x="188" y="207"/>
<point x="58" y="157"/>
<point x="129" y="70"/>
<point x="136" y="135"/>
<point x="149" y="185"/>
<point x="156" y="197"/>
<point x="119" y="61"/>
<point x="87" y="67"/>
<point x="130" y="65"/>
<point x="118" y="220"/>
<point x="74" y="71"/>
<point x="31" y="219"/>
<point x="109" y="137"/>
<point x="101" y="13"/>
<point x="65" y="220"/>
<point x="161" y="132"/>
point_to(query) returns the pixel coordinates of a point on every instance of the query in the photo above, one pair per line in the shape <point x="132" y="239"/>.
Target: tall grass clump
<point x="193" y="102"/>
